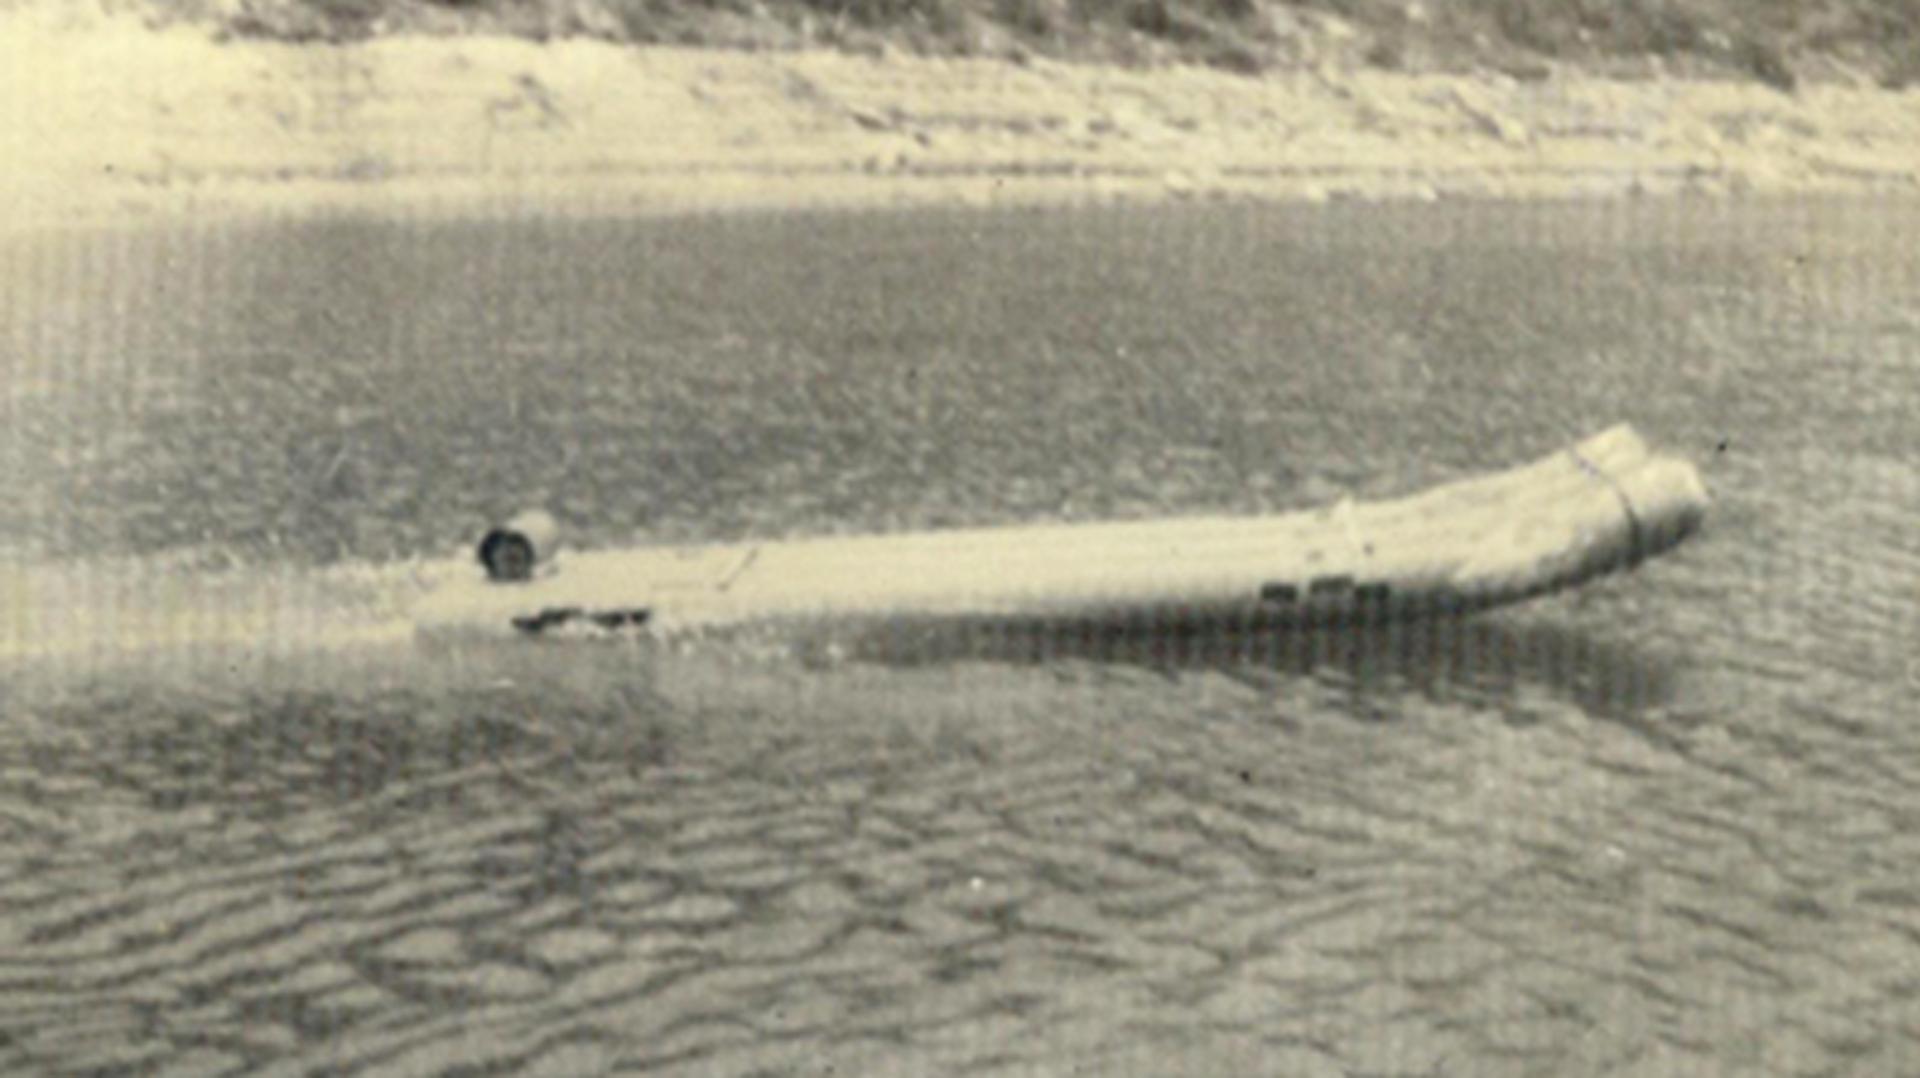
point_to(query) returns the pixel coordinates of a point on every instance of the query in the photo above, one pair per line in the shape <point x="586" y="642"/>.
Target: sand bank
<point x="106" y="119"/>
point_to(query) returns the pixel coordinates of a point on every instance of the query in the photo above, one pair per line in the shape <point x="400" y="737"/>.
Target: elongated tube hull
<point x="1601" y="506"/>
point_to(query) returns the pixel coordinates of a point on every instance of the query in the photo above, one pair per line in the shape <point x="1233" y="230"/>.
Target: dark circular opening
<point x="507" y="555"/>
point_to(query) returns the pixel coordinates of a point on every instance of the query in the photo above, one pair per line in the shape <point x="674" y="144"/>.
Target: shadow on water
<point x="514" y="724"/>
<point x="1486" y="661"/>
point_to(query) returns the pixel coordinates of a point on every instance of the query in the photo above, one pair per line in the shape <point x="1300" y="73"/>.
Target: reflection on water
<point x="1662" y="826"/>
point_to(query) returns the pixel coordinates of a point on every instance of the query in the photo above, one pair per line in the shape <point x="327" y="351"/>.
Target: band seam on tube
<point x="1637" y="548"/>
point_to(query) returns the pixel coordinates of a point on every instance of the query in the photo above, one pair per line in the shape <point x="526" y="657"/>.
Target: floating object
<point x="1601" y="506"/>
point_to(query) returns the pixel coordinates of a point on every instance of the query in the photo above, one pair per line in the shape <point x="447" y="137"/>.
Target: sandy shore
<point x="106" y="119"/>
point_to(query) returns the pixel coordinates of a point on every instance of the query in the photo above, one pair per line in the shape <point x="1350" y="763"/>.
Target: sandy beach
<point x="110" y="119"/>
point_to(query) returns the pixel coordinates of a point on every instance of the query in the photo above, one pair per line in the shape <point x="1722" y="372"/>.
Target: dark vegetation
<point x="1779" y="42"/>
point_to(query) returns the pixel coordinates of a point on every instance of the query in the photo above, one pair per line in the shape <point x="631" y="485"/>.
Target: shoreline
<point x="113" y="122"/>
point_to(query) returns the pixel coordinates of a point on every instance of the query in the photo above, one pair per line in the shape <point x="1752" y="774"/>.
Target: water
<point x="1662" y="826"/>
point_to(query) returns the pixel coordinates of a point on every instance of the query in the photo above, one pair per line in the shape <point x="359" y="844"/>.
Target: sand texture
<point x="106" y="118"/>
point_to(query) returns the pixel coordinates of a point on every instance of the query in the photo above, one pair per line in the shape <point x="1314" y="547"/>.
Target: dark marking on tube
<point x="1325" y="586"/>
<point x="546" y="619"/>
<point x="620" y="619"/>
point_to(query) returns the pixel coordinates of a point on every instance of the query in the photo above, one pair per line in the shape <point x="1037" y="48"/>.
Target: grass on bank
<point x="1778" y="42"/>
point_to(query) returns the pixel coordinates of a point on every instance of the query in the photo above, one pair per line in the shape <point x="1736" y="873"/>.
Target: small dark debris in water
<point x="1722" y="447"/>
<point x="1246" y="776"/>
